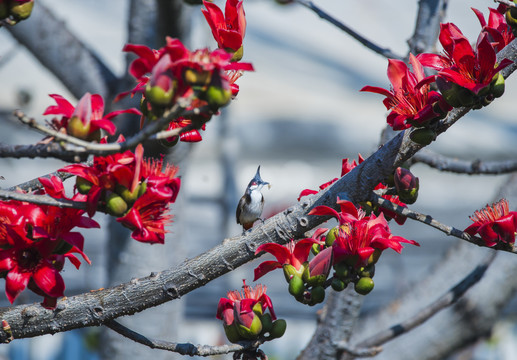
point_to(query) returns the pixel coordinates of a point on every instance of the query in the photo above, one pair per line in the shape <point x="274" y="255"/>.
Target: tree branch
<point x="430" y="14"/>
<point x="42" y="200"/>
<point x="70" y="60"/>
<point x="426" y="313"/>
<point x="181" y="348"/>
<point x="449" y="230"/>
<point x="82" y="148"/>
<point x="387" y="53"/>
<point x="476" y="167"/>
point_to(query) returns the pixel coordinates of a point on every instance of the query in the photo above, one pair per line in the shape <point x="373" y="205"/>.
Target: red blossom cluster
<point x="352" y="248"/>
<point x="35" y="241"/>
<point x="466" y="75"/>
<point x="206" y="78"/>
<point x="346" y="167"/>
<point x="136" y="190"/>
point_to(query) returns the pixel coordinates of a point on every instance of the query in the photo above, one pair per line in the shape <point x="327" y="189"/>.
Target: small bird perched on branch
<point x="251" y="203"/>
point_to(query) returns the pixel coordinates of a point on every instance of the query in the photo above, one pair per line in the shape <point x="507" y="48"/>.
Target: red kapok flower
<point x="242" y="313"/>
<point x="494" y="224"/>
<point x="228" y="29"/>
<point x="294" y="254"/>
<point x="499" y="31"/>
<point x="86" y="118"/>
<point x="410" y="100"/>
<point x="359" y="235"/>
<point x="30" y="263"/>
<point x="469" y="68"/>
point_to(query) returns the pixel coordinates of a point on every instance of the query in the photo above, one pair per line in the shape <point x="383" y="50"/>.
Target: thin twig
<point x="476" y="167"/>
<point x="449" y="230"/>
<point x="42" y="200"/>
<point x="387" y="53"/>
<point x="181" y="348"/>
<point x="147" y="132"/>
<point x="35" y="184"/>
<point x="446" y="300"/>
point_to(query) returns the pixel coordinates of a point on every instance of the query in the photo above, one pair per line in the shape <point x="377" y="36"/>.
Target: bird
<point x="251" y="203"/>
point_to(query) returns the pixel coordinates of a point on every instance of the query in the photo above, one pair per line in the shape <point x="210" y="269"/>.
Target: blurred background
<point x="297" y="116"/>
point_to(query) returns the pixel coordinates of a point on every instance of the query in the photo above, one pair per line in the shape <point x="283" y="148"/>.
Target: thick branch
<point x="71" y="61"/>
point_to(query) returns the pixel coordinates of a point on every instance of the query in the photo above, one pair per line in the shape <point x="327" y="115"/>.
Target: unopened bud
<point x="338" y="284"/>
<point x="82" y="185"/>
<point x="317" y="295"/>
<point x="21" y="10"/>
<point x="253" y="331"/>
<point x="237" y="55"/>
<point x="423" y="136"/>
<point x="218" y="96"/>
<point x="406" y="184"/>
<point x="296" y="286"/>
<point x="115" y="205"/>
<point x="232" y="334"/>
<point x="77" y="128"/>
<point x="128" y="196"/>
<point x="331" y="236"/>
<point x="157" y="95"/>
<point x="497" y="85"/>
<point x="364" y="285"/>
<point x="267" y="323"/>
<point x="278" y="330"/>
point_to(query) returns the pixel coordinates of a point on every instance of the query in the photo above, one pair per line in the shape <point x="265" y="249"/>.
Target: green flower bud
<point x="156" y="95"/>
<point x="142" y="188"/>
<point x="237" y="55"/>
<point x="21" y="11"/>
<point x="267" y="323"/>
<point x="342" y="270"/>
<point x="466" y="97"/>
<point x="296" y="286"/>
<point x="116" y="205"/>
<point x="315" y="249"/>
<point x="338" y="284"/>
<point x="82" y="185"/>
<point x="77" y="128"/>
<point x="278" y="330"/>
<point x="364" y="285"/>
<point x="331" y="236"/>
<point x="128" y="196"/>
<point x="232" y="334"/>
<point x="422" y="136"/>
<point x="253" y="331"/>
<point x="218" y="96"/>
<point x="374" y="257"/>
<point x="497" y="85"/>
<point x="317" y="295"/>
<point x="368" y="271"/>
<point x="290" y="271"/>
